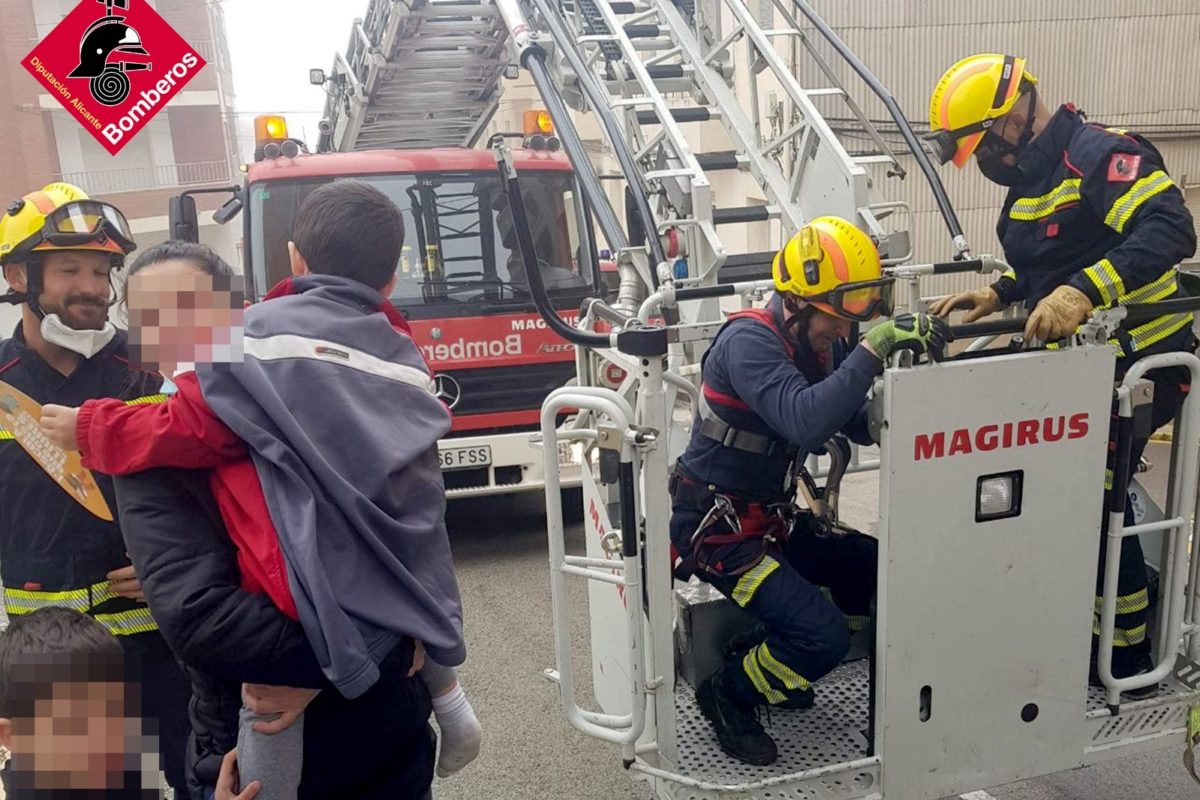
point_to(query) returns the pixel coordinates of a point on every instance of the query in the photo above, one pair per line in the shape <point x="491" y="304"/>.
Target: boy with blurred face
<point x="66" y="713"/>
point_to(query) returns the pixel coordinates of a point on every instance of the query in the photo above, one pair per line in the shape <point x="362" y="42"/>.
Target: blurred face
<point x="824" y="329"/>
<point x="75" y="286"/>
<point x="177" y="316"/>
<point x="77" y="739"/>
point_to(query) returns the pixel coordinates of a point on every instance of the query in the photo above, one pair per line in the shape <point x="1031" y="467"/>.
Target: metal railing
<point x="162" y="176"/>
<point x="1180" y="568"/>
<point x="626" y="573"/>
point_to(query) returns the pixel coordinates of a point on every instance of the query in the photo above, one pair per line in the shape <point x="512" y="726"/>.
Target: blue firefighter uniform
<point x="769" y="401"/>
<point x="1096" y="210"/>
<point x="53" y="552"/>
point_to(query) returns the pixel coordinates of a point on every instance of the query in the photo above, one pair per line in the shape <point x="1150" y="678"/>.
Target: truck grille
<point x="516" y="388"/>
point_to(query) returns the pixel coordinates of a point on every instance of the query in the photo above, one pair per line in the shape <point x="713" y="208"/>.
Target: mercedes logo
<point x="447" y="390"/>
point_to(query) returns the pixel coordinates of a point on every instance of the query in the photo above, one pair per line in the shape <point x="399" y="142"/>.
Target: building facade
<point x="1126" y="63"/>
<point x="190" y="144"/>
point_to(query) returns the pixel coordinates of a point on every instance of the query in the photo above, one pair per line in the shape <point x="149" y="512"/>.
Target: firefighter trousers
<point x="1133" y="602"/>
<point x="808" y="594"/>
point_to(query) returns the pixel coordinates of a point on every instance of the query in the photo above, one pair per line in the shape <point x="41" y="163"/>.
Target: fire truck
<point x="977" y="659"/>
<point x="462" y="284"/>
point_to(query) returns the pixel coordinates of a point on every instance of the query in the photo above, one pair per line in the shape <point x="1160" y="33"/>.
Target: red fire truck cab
<point x="462" y="286"/>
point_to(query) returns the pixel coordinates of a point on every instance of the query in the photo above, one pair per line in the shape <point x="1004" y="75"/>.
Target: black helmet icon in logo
<point x="104" y="38"/>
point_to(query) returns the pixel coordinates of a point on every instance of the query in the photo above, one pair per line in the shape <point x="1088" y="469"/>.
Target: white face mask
<point x="85" y="343"/>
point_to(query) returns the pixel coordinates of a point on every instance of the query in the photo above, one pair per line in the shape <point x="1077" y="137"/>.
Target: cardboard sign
<point x="22" y="415"/>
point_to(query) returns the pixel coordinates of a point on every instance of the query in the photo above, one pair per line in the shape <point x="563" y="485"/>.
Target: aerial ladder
<point x="418" y="74"/>
<point x="978" y="673"/>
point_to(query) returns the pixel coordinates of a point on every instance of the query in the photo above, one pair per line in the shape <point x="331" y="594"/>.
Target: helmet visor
<point x="861" y="301"/>
<point x="86" y="221"/>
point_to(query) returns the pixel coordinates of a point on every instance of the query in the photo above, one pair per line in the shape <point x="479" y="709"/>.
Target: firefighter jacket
<point x="52" y="550"/>
<point x="760" y="379"/>
<point x="1097" y="211"/>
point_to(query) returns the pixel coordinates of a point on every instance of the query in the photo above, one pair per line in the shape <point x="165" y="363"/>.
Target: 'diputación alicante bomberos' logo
<point x="115" y="69"/>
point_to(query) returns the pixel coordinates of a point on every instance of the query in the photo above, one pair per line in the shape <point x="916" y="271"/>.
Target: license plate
<point x="465" y="457"/>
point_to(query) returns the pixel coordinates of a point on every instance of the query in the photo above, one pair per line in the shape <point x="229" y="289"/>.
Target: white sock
<point x="461" y="731"/>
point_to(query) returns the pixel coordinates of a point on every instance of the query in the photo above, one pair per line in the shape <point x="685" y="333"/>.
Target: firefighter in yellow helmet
<point x="778" y="383"/>
<point x="58" y="250"/>
<point x="1091" y="219"/>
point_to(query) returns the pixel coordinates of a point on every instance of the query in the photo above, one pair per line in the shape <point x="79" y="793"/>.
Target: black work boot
<point x="737" y="648"/>
<point x="736" y="725"/>
<point x="1126" y="666"/>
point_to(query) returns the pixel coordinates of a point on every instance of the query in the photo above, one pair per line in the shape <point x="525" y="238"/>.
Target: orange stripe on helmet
<point x="970" y="72"/>
<point x="838" y="259"/>
<point x="42" y="202"/>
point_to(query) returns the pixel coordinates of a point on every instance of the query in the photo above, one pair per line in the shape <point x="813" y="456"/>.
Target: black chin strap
<point x="1030" y="118"/>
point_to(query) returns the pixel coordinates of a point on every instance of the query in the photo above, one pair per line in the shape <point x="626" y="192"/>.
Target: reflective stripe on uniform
<point x="856" y="622"/>
<point x="1129" y="603"/>
<point x="128" y="623"/>
<point x="1107" y="280"/>
<point x="786" y="675"/>
<point x="748" y="584"/>
<point x="1127" y="204"/>
<point x="1156" y="330"/>
<point x="1031" y="208"/>
<point x="1124" y="637"/>
<point x="121" y="623"/>
<point x="1160" y="288"/>
<point x="20" y="601"/>
<point x="754" y="672"/>
<point x="1009" y="273"/>
<point x="1108" y="478"/>
<point x="147" y="400"/>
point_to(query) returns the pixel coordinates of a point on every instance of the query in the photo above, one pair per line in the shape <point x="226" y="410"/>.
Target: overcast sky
<point x="273" y="44"/>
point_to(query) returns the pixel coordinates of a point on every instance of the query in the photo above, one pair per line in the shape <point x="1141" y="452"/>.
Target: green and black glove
<point x="920" y="333"/>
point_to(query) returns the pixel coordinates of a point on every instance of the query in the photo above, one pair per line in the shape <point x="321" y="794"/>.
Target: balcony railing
<point x="166" y="176"/>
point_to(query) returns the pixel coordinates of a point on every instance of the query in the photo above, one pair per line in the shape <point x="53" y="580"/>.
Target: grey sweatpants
<point x="273" y="759"/>
<point x="276" y="760"/>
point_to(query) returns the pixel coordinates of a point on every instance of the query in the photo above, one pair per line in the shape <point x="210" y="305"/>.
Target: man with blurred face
<point x="58" y="250"/>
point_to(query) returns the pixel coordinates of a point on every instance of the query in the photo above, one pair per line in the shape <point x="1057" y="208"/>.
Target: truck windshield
<point x="459" y="243"/>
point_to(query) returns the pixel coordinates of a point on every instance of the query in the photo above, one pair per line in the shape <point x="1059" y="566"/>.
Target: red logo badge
<point x="1123" y="167"/>
<point x="113" y="68"/>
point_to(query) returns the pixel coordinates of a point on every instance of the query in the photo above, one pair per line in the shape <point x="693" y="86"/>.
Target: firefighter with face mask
<point x="778" y="383"/>
<point x="1091" y="219"/>
<point x="58" y="249"/>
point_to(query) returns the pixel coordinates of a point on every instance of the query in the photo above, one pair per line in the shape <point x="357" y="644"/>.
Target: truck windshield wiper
<point x="474" y="284"/>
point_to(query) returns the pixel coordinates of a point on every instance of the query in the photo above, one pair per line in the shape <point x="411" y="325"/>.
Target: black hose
<point x="906" y="131"/>
<point x="953" y="267"/>
<point x="600" y="107"/>
<point x="537" y="287"/>
<point x="629" y="527"/>
<point x="1122" y="465"/>
<point x="1134" y="313"/>
<point x="993" y="328"/>
<point x="1140" y="312"/>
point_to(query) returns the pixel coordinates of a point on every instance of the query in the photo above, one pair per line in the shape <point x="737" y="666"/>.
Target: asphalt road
<point x="529" y="750"/>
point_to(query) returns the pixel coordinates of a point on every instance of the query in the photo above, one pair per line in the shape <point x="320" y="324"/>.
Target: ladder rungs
<point x="876" y="159"/>
<point x="678" y="114"/>
<point x="832" y="91"/>
<point x="659" y="174"/>
<point x="746" y="267"/>
<point x="644" y="31"/>
<point x="660" y="71"/>
<point x="715" y="161"/>
<point x="727" y="216"/>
